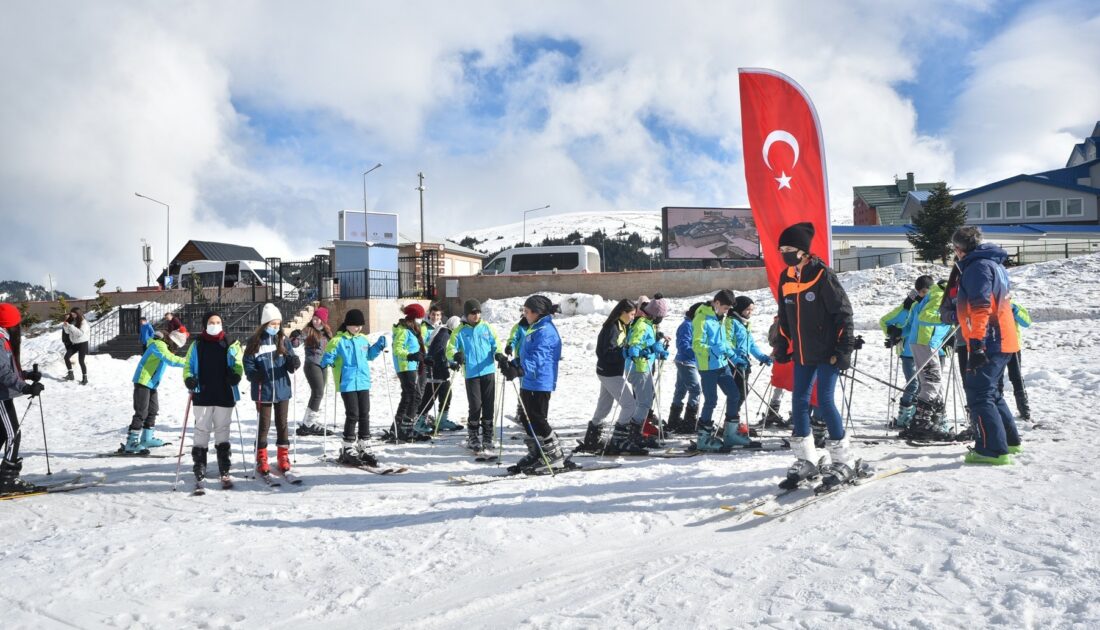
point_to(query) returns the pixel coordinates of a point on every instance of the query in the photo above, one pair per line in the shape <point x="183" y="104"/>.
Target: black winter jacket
<point x="815" y="317"/>
<point x="609" y="349"/>
<point x="437" y="355"/>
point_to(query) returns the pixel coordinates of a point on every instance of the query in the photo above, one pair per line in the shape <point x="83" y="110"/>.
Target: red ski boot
<point x="261" y="462"/>
<point x="283" y="458"/>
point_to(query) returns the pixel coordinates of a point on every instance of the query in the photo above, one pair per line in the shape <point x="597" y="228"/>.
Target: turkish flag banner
<point x="784" y="164"/>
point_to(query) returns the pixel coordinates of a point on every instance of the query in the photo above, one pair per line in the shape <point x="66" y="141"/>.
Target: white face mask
<point x="213" y="329"/>
<point x="318" y="324"/>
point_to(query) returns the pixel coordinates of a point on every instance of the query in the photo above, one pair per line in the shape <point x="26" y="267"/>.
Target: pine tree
<point x="60" y="310"/>
<point x="102" y="302"/>
<point x="29" y="318"/>
<point x="936" y="223"/>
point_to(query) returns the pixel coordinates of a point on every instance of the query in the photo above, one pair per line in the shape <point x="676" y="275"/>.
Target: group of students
<point x="812" y="332"/>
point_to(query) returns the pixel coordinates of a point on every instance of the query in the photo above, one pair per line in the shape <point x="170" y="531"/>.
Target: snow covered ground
<point x="644" y="545"/>
<point x="496" y="238"/>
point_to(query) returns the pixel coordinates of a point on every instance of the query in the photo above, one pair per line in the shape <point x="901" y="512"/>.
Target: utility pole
<point x="421" y="189"/>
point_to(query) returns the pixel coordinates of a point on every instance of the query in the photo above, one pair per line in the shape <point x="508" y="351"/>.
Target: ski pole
<point x="531" y="428"/>
<point x="852" y="391"/>
<point x="660" y="425"/>
<point x="389" y="396"/>
<point x="892" y="369"/>
<point x="443" y="404"/>
<point x="183" y="434"/>
<point x="935" y="353"/>
<point x="240" y="434"/>
<point x="294" y="411"/>
<point x="617" y="401"/>
<point x="42" y="417"/>
<point x="500" y="417"/>
<point x="870" y="376"/>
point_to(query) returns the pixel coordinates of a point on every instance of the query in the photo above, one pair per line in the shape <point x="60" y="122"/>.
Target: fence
<point x="354" y="284"/>
<point x="1017" y="255"/>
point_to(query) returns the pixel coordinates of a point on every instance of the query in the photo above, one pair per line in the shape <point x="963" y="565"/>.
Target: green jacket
<point x="151" y="367"/>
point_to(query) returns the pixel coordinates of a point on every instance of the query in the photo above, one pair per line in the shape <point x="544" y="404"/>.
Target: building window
<point x="1075" y="207"/>
<point x="1054" y="207"/>
<point x="973" y="211"/>
<point x="1012" y="210"/>
<point x="1034" y="210"/>
<point x="992" y="209"/>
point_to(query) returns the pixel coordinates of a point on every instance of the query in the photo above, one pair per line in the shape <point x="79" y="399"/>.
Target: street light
<point x="375" y="167"/>
<point x="168" y="236"/>
<point x="525" y="220"/>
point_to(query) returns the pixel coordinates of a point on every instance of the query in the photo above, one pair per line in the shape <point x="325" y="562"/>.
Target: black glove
<point x="509" y="371"/>
<point x="909" y="300"/>
<point x="977" y="359"/>
<point x="893" y="331"/>
<point x="502" y="363"/>
<point x="415" y="356"/>
<point x="33" y="376"/>
<point x="33" y="389"/>
<point x="460" y="358"/>
<point x="232" y="378"/>
<point x="858" y="343"/>
<point x="292" y="363"/>
<point x="891" y="342"/>
<point x="191" y="382"/>
<point x="500" y="357"/>
<point x="508" y="350"/>
<point x="842" y="361"/>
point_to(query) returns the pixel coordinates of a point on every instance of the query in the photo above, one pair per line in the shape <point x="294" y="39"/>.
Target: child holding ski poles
<point x="269" y="361"/>
<point x="13" y="382"/>
<point x="159" y="354"/>
<point x="474" y="346"/>
<point x="315" y="338"/>
<point x="644" y="351"/>
<point x="350" y="353"/>
<point x="439" y="376"/>
<point x="408" y="358"/>
<point x="212" y="372"/>
<point x="682" y="419"/>
<point x="740" y="335"/>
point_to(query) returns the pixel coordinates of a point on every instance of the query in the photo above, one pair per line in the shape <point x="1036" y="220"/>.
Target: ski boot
<point x="706" y="441"/>
<point x="282" y="457"/>
<point x="445" y="424"/>
<point x="924" y="424"/>
<point x="817" y="426"/>
<point x="845" y="468"/>
<point x="807" y="464"/>
<point x="650" y="432"/>
<point x="626" y="439"/>
<point x="1023" y="408"/>
<point x="423" y="427"/>
<point x="198" y="456"/>
<point x="309" y="425"/>
<point x="149" y="438"/>
<point x="591" y="442"/>
<point x="675" y="418"/>
<point x="1015" y="449"/>
<point x="905" y="417"/>
<point x="225" y="464"/>
<point x="550" y="460"/>
<point x="732" y="436"/>
<point x="261" y="461"/>
<point x="11" y="484"/>
<point x="133" y="443"/>
<point x="773" y="419"/>
<point x="974" y="457"/>
<point x="364" y="454"/>
<point x="473" y="440"/>
<point x="528" y="460"/>
<point x="487" y="436"/>
<point x="691" y="418"/>
<point x="349" y="455"/>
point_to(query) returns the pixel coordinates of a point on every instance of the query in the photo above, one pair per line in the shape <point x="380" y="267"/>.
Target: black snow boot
<point x="675" y="418"/>
<point x="591" y="442"/>
<point x="528" y="460"/>
<point x="551" y="458"/>
<point x="487" y="435"/>
<point x="691" y="418"/>
<point x="626" y="439"/>
<point x="224" y="461"/>
<point x="1023" y="409"/>
<point x="10" y="483"/>
<point x="198" y="455"/>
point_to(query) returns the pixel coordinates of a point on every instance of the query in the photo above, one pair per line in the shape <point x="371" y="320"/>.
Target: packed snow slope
<point x="644" y="545"/>
<point x="614" y="224"/>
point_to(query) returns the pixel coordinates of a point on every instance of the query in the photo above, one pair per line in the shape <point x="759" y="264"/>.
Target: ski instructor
<point x="815" y="331"/>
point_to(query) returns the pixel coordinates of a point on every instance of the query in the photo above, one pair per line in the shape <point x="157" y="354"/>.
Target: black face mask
<point x="791" y="258"/>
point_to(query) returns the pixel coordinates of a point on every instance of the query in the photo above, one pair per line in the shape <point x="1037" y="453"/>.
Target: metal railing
<point x="354" y="284"/>
<point x="1017" y="255"/>
<point x="102" y="330"/>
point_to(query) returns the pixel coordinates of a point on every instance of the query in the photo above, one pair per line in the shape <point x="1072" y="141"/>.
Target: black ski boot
<point x="473" y="439"/>
<point x="925" y="423"/>
<point x="487" y="435"/>
<point x="675" y="418"/>
<point x="773" y="419"/>
<point x="591" y="442"/>
<point x="527" y="460"/>
<point x="349" y="455"/>
<point x="551" y="458"/>
<point x="807" y="465"/>
<point x="691" y="418"/>
<point x="198" y="456"/>
<point x="626" y="439"/>
<point x="69" y="376"/>
<point x="10" y="483"/>
<point x="225" y="463"/>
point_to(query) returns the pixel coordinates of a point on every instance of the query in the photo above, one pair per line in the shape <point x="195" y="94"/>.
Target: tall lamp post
<point x="525" y="220"/>
<point x="366" y="232"/>
<point x="168" y="235"/>
<point x="421" y="188"/>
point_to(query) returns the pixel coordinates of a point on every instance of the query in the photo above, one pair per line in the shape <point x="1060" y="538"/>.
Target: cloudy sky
<point x="255" y="120"/>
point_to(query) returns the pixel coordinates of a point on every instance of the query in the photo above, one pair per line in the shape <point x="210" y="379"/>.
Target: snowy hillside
<point x="494" y="239"/>
<point x="644" y="545"/>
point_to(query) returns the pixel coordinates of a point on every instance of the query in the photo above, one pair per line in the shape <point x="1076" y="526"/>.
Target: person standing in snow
<point x="614" y="388"/>
<point x="78" y="332"/>
<point x="438" y="391"/>
<point x="214" y="366"/>
<point x="159" y="354"/>
<point x="1023" y="409"/>
<point x="350" y="353"/>
<point x="145" y="332"/>
<point x="537" y="366"/>
<point x="815" y="326"/>
<point x="474" y="347"/>
<point x="683" y="419"/>
<point x="315" y="337"/>
<point x="739" y="331"/>
<point x="986" y="323"/>
<point x="511" y="349"/>
<point x="896" y="326"/>
<point x="926" y="337"/>
<point x="13" y="382"/>
<point x="646" y="351"/>
<point x="408" y="356"/>
<point x="713" y="352"/>
<point x="269" y="360"/>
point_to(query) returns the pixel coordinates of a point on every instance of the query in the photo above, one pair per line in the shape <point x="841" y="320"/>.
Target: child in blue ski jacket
<point x="350" y="353"/>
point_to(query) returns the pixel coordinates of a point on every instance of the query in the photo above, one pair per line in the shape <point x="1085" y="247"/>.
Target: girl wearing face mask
<point x="269" y="361"/>
<point x="213" y="370"/>
<point x="815" y="326"/>
<point x="315" y="337"/>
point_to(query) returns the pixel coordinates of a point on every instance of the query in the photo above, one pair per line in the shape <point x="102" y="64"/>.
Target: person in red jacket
<point x="13" y="382"/>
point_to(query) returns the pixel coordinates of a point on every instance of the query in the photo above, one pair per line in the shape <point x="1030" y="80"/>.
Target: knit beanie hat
<point x="539" y="304"/>
<point x="453" y="322"/>
<point x="799" y="235"/>
<point x="206" y="318"/>
<point x="321" y="313"/>
<point x="657" y="308"/>
<point x="741" y="303"/>
<point x="9" y="316"/>
<point x="413" y="311"/>
<point x="354" y="317"/>
<point x="471" y="306"/>
<point x="270" y="313"/>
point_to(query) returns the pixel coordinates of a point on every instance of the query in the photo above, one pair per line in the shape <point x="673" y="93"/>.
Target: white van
<point x="224" y="273"/>
<point x="541" y="260"/>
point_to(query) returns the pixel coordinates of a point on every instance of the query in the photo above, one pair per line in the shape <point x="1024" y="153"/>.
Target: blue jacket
<point x="898" y="317"/>
<point x="642" y="345"/>
<point x="743" y="344"/>
<point x="539" y="355"/>
<point x="350" y="357"/>
<point x="684" y="353"/>
<point x="709" y="340"/>
<point x="146" y="333"/>
<point x="983" y="309"/>
<point x="268" y="372"/>
<point x="478" y="344"/>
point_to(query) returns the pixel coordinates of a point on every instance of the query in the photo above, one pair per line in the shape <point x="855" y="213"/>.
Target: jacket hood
<point x="990" y="251"/>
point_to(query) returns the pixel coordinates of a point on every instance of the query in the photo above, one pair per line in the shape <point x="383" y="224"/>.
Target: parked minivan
<point x="549" y="259"/>
<point x="223" y="273"/>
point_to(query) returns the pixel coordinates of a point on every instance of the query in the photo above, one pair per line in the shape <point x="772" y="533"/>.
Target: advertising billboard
<point x="709" y="234"/>
<point x="380" y="228"/>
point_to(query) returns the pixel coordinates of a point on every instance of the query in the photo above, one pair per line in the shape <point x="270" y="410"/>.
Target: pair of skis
<point x="772" y="505"/>
<point x="74" y="483"/>
<point x="476" y="480"/>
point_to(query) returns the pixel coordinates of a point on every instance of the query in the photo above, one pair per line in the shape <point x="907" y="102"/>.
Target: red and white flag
<point x="784" y="164"/>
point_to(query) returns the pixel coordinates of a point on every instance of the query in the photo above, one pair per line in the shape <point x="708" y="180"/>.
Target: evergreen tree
<point x="936" y="223"/>
<point x="29" y="318"/>
<point x="60" y="310"/>
<point x="102" y="302"/>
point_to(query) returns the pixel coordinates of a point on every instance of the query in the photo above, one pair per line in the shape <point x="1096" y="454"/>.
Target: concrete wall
<point x="175" y="296"/>
<point x="627" y="284"/>
<point x="380" y="313"/>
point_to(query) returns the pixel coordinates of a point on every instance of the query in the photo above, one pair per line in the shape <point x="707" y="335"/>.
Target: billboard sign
<point x="379" y="228"/>
<point x="709" y="234"/>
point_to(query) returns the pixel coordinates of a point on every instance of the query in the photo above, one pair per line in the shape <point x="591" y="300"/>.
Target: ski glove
<point x="978" y="357"/>
<point x="417" y="356"/>
<point x="508" y="351"/>
<point x="293" y="363"/>
<point x="909" y="300"/>
<point x="191" y="382"/>
<point x="33" y="389"/>
<point x="460" y="358"/>
<point x="766" y="361"/>
<point x="233" y="378"/>
<point x="500" y="357"/>
<point x="841" y="361"/>
<point x="633" y="352"/>
<point x="33" y="376"/>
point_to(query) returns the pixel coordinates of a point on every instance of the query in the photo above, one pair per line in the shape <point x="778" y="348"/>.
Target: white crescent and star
<point x="779" y="135"/>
